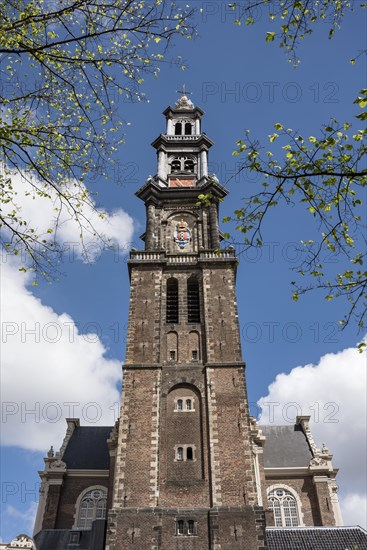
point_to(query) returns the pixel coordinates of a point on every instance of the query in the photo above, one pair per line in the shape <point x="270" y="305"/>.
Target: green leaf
<point x="270" y="36"/>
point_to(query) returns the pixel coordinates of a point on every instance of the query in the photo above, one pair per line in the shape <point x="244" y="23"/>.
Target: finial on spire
<point x="184" y="91"/>
<point x="184" y="102"/>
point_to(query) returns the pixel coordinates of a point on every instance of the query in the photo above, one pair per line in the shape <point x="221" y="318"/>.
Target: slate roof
<point x="285" y="446"/>
<point x="87" y="448"/>
<point x="316" y="538"/>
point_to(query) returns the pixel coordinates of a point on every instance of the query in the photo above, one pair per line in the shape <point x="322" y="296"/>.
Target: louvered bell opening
<point x="172" y="301"/>
<point x="193" y="302"/>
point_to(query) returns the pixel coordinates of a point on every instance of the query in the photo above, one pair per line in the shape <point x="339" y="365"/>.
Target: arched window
<point x="180" y="527"/>
<point x="188" y="129"/>
<point x="176" y="166"/>
<point x="188" y="404"/>
<point x="193" y="302"/>
<point x="285" y="508"/>
<point x="178" y="129"/>
<point x="186" y="527"/>
<point x="190" y="527"/>
<point x="172" y="301"/>
<point x="189" y="165"/>
<point x="189" y="454"/>
<point x="194" y="345"/>
<point x="179" y="405"/>
<point x="92" y="505"/>
<point x="179" y="453"/>
<point x="172" y="347"/>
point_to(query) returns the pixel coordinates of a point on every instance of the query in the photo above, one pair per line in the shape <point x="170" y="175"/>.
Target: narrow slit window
<point x="193" y="301"/>
<point x="172" y="301"/>
<point x="180" y="453"/>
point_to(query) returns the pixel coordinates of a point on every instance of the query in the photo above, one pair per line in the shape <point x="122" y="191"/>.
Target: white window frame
<point x="184" y="448"/>
<point x="184" y="399"/>
<point x="297" y="500"/>
<point x="186" y="532"/>
<point x="79" y="502"/>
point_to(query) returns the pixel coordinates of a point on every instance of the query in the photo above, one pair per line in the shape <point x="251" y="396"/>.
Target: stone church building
<point x="186" y="467"/>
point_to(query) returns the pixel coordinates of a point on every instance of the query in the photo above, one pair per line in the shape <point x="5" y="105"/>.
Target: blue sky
<point x="241" y="83"/>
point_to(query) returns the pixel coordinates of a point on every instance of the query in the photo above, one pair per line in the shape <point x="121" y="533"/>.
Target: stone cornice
<point x="151" y="190"/>
<point x="287" y="471"/>
<point x="87" y="473"/>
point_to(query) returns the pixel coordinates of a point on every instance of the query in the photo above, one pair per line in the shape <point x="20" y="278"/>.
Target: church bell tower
<point x="186" y="473"/>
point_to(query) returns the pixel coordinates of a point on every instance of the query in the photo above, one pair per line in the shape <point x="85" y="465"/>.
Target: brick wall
<point x="144" y="315"/>
<point x="136" y="459"/>
<point x="232" y="460"/>
<point x="186" y="483"/>
<point x="217" y="529"/>
<point x="221" y="317"/>
<point x="324" y="502"/>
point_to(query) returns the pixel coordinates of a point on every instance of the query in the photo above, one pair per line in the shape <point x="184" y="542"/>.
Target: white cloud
<point x="49" y="371"/>
<point x="354" y="509"/>
<point x="48" y="368"/>
<point x="333" y="393"/>
<point x="48" y="213"/>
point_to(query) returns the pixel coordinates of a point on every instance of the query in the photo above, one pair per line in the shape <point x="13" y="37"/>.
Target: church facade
<point x="186" y="467"/>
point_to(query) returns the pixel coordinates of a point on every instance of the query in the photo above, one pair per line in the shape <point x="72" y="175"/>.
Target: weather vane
<point x="183" y="91"/>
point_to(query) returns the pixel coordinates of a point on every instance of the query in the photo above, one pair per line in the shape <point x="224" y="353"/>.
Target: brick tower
<point x="186" y="467"/>
<point x="185" y="470"/>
